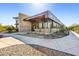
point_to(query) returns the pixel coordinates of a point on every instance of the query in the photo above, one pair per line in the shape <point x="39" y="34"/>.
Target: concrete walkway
<point x="9" y="41"/>
<point x="68" y="44"/>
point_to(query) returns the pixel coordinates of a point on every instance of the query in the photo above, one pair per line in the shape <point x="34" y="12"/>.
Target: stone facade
<point x="23" y="26"/>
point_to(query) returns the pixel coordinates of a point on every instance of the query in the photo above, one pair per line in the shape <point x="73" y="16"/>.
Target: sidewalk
<point x="9" y="41"/>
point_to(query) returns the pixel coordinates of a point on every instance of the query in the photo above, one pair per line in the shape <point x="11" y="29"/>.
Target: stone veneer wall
<point x="23" y="26"/>
<point x="46" y="31"/>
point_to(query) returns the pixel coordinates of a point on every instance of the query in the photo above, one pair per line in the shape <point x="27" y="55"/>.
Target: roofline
<point x="43" y="13"/>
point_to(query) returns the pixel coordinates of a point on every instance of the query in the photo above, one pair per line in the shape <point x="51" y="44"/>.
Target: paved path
<point x="9" y="41"/>
<point x="68" y="44"/>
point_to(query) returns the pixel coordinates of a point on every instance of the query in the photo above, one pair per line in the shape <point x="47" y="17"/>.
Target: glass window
<point x="49" y="24"/>
<point x="58" y="25"/>
<point x="40" y="25"/>
<point x="45" y="24"/>
<point x="37" y="26"/>
<point x="54" y="24"/>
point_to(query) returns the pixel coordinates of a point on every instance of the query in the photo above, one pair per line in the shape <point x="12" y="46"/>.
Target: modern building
<point x="44" y="22"/>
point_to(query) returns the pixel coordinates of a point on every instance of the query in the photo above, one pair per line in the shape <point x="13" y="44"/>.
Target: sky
<point x="67" y="13"/>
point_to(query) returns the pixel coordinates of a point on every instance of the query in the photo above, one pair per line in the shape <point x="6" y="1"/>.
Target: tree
<point x="11" y="29"/>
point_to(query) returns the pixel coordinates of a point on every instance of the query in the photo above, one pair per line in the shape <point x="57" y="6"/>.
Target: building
<point x="44" y="23"/>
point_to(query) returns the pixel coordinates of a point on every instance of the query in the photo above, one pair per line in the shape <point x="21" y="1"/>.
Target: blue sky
<point x="66" y="13"/>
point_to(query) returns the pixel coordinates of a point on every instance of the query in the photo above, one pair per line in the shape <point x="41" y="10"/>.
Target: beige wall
<point x="23" y="26"/>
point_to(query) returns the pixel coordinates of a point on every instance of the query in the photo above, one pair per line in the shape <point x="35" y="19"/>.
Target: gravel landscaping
<point x="30" y="50"/>
<point x="20" y="50"/>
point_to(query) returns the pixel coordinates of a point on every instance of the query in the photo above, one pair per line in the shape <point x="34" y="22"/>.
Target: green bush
<point x="7" y="28"/>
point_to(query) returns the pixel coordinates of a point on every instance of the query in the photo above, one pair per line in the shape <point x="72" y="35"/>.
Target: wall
<point x="23" y="26"/>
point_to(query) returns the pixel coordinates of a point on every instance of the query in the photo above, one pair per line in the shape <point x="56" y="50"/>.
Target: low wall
<point x="46" y="31"/>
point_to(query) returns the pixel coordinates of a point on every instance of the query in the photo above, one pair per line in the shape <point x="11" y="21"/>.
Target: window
<point x="40" y="25"/>
<point x="45" y="24"/>
<point x="37" y="25"/>
<point x="57" y="25"/>
<point x="49" y="24"/>
<point x="54" y="24"/>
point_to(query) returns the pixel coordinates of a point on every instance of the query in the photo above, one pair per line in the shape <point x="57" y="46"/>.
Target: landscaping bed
<point x="47" y="36"/>
<point x="20" y="50"/>
<point x="30" y="50"/>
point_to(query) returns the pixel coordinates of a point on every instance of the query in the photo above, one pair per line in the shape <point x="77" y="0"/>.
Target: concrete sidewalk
<point x="9" y="41"/>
